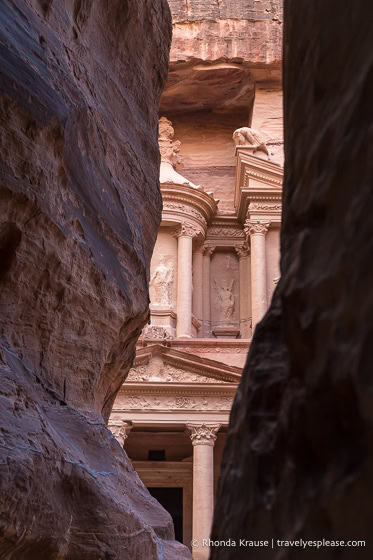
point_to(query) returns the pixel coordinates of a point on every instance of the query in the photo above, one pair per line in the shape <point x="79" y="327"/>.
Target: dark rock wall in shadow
<point x="80" y="83"/>
<point x="298" y="460"/>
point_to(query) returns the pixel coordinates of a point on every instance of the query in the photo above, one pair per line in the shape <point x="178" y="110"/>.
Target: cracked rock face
<point x="219" y="49"/>
<point x="298" y="461"/>
<point x="79" y="211"/>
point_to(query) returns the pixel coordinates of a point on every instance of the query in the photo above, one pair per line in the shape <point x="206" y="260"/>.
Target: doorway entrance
<point x="172" y="501"/>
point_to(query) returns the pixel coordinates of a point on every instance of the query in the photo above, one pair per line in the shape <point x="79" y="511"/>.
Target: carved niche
<point x="161" y="283"/>
<point x="224" y="289"/>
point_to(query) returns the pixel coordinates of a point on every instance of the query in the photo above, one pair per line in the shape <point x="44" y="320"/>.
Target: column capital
<point x="121" y="430"/>
<point x="243" y="251"/>
<point x="259" y="227"/>
<point x="186" y="230"/>
<point x="202" y="434"/>
<point x="208" y="251"/>
<point x="199" y="247"/>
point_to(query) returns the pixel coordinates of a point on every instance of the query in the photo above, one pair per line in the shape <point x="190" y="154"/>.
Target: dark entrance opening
<point x="172" y="500"/>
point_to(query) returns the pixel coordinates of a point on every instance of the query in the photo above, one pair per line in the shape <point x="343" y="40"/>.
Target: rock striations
<point x="298" y="461"/>
<point x="79" y="211"/>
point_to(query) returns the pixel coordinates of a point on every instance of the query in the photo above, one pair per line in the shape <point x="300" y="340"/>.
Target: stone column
<point x="121" y="430"/>
<point x="184" y="233"/>
<point x="203" y="437"/>
<point x="257" y="231"/>
<point x="206" y="287"/>
<point x="243" y="255"/>
<point x="197" y="284"/>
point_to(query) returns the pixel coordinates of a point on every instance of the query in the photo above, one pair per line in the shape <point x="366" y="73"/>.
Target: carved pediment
<point x="156" y="371"/>
<point x="158" y="364"/>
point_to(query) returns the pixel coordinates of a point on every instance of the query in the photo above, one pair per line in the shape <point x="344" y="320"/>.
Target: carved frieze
<point x="175" y="402"/>
<point x="225" y="232"/>
<point x="264" y="207"/>
<point x="184" y="209"/>
<point x="165" y="373"/>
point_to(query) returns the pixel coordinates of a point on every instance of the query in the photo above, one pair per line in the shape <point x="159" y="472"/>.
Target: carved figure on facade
<point x="154" y="332"/>
<point x="225" y="299"/>
<point x="162" y="283"/>
<point x="170" y="158"/>
<point x="250" y="137"/>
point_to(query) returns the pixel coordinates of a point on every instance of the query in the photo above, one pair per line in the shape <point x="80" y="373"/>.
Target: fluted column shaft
<point x="203" y="437"/>
<point x="257" y="231"/>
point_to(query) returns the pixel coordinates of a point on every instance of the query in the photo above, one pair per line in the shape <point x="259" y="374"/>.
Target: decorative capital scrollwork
<point x="187" y="230"/>
<point x="121" y="430"/>
<point x="202" y="434"/>
<point x="253" y="227"/>
<point x="243" y="251"/>
<point x="208" y="251"/>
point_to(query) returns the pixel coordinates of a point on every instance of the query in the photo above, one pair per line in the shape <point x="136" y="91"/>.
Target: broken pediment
<point x="158" y="364"/>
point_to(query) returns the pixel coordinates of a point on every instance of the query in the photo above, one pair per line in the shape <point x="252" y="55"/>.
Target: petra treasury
<point x="186" y="303"/>
<point x="215" y="263"/>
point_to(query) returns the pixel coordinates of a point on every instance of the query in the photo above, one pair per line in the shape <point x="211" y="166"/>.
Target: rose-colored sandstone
<point x="224" y="73"/>
<point x="298" y="461"/>
<point x="79" y="211"/>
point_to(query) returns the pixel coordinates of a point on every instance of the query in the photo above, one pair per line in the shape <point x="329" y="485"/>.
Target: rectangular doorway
<point x="172" y="501"/>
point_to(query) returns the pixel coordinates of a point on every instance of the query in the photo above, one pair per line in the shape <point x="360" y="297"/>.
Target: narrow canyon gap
<point x="298" y="458"/>
<point x="80" y="206"/>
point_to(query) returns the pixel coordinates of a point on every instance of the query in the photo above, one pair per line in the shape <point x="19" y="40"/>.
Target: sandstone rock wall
<point x="243" y="31"/>
<point x="224" y="73"/>
<point x="298" y="461"/>
<point x="79" y="211"/>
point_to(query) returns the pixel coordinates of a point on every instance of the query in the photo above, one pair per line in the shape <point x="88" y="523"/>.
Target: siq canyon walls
<point x="298" y="461"/>
<point x="79" y="211"/>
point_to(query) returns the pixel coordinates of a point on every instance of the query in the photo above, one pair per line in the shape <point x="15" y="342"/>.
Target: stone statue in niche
<point x="225" y="299"/>
<point x="170" y="158"/>
<point x="162" y="283"/>
<point x="250" y="137"/>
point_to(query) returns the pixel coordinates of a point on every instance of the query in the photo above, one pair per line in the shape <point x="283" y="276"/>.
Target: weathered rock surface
<point x="298" y="461"/>
<point x="219" y="49"/>
<point x="224" y="73"/>
<point x="79" y="211"/>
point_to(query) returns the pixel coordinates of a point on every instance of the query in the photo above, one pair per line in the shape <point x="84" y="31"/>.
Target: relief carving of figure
<point x="246" y="136"/>
<point x="225" y="299"/>
<point x="162" y="282"/>
<point x="170" y="158"/>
